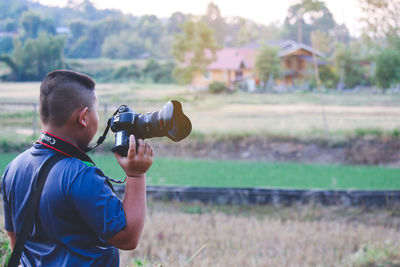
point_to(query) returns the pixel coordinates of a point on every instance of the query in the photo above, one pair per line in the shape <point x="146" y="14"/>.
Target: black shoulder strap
<point x="32" y="208"/>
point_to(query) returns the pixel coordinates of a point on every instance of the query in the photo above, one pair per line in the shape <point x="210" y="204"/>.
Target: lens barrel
<point x="169" y="121"/>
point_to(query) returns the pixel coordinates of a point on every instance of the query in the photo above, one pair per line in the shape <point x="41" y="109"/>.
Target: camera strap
<point x="31" y="209"/>
<point x="102" y="137"/>
<point x="64" y="147"/>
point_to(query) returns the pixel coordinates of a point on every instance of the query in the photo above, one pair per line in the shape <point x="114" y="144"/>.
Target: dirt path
<point x="355" y="151"/>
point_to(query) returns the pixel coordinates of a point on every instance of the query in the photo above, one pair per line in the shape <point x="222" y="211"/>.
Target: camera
<point x="169" y="121"/>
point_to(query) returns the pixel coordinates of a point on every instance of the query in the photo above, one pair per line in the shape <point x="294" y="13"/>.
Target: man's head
<point x="62" y="92"/>
<point x="68" y="99"/>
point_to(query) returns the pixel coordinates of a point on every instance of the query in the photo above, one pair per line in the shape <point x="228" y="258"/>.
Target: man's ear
<point x="82" y="119"/>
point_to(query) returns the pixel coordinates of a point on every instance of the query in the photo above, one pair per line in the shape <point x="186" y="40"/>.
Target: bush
<point x="131" y="72"/>
<point x="217" y="87"/>
<point x="348" y="59"/>
<point x="164" y="74"/>
<point x="5" y="249"/>
<point x="328" y="76"/>
<point x="371" y="132"/>
<point x="158" y="73"/>
<point x="376" y="255"/>
<point x="395" y="133"/>
<point x="388" y="68"/>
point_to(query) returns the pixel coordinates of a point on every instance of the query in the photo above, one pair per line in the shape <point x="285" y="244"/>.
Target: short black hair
<point x="63" y="91"/>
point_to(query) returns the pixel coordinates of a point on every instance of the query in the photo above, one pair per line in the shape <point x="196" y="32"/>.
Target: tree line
<point x="35" y="38"/>
<point x="370" y="60"/>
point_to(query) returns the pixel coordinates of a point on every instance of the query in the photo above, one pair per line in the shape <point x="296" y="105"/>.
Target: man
<point x="80" y="221"/>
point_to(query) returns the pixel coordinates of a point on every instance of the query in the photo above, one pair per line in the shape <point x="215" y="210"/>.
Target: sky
<point x="265" y="12"/>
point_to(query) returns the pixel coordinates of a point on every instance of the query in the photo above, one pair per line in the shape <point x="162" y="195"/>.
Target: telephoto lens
<point x="169" y="121"/>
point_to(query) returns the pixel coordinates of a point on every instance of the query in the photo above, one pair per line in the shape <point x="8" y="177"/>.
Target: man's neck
<point x="62" y="143"/>
<point x="61" y="133"/>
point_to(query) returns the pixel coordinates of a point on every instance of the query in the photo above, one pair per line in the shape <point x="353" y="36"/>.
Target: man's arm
<point x="13" y="239"/>
<point x="135" y="166"/>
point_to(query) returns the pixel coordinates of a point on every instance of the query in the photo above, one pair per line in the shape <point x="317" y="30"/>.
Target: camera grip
<point x="122" y="145"/>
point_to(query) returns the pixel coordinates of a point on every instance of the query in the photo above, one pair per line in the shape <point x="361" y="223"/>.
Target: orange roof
<point x="232" y="58"/>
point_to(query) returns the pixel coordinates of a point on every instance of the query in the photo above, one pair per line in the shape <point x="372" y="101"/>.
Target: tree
<point x="268" y="63"/>
<point x="90" y="45"/>
<point x="306" y="16"/>
<point x="82" y="48"/>
<point x="32" y="24"/>
<point x="175" y="21"/>
<point x="194" y="49"/>
<point x="6" y="44"/>
<point x="10" y="25"/>
<point x="341" y="34"/>
<point x="346" y="59"/>
<point x="162" y="49"/>
<point x="36" y="57"/>
<point x="149" y="27"/>
<point x="388" y="68"/>
<point x="47" y="25"/>
<point x="270" y="32"/>
<point x="394" y="42"/>
<point x="86" y="7"/>
<point x="248" y="32"/>
<point x="214" y="20"/>
<point x="11" y="9"/>
<point x="320" y="41"/>
<point x="123" y="45"/>
<point x="78" y="28"/>
<point x="381" y="17"/>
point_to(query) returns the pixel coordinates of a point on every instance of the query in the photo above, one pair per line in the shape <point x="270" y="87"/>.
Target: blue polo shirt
<point x="78" y="211"/>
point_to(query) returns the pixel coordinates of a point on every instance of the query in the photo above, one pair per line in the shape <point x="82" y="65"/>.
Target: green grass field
<point x="211" y="173"/>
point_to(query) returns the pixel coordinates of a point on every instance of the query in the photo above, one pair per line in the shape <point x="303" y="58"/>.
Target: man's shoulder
<point x="21" y="161"/>
<point x="22" y="157"/>
<point x="75" y="169"/>
<point x="31" y="159"/>
<point x="34" y="154"/>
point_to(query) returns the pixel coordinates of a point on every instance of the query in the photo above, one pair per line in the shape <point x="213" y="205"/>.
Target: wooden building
<point x="237" y="65"/>
<point x="297" y="59"/>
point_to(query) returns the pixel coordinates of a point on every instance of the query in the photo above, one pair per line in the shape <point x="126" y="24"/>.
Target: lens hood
<point x="177" y="124"/>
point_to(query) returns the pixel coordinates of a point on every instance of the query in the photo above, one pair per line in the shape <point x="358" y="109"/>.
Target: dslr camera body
<point x="169" y="121"/>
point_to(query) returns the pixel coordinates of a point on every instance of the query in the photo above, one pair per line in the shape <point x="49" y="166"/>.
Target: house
<point x="231" y="66"/>
<point x="296" y="59"/>
<point x="234" y="66"/>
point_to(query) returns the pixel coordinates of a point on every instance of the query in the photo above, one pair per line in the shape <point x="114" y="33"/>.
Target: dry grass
<point x="298" y="236"/>
<point x="242" y="114"/>
<point x="27" y="91"/>
<point x="294" y="120"/>
<point x="265" y="236"/>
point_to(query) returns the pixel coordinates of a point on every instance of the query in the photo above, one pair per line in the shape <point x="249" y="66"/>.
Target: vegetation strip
<point x="257" y="196"/>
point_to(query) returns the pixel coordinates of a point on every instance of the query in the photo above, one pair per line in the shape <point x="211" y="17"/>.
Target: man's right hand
<point x="136" y="164"/>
